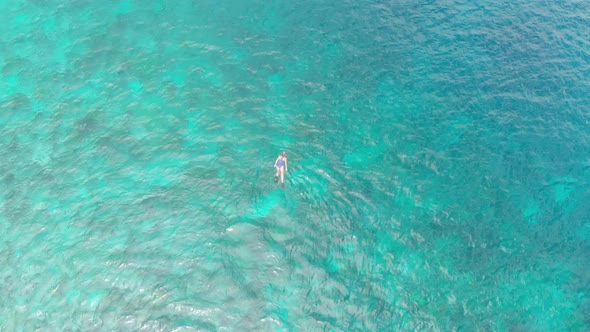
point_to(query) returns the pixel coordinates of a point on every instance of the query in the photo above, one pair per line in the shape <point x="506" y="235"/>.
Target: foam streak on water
<point x="438" y="160"/>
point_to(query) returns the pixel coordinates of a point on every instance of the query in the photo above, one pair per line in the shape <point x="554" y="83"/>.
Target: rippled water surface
<point x="438" y="152"/>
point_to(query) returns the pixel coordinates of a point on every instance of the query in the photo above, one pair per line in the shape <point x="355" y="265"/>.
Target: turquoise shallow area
<point x="438" y="152"/>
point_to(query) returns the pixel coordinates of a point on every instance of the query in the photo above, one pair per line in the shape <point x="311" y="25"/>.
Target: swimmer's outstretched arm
<point x="276" y="161"/>
<point x="286" y="165"/>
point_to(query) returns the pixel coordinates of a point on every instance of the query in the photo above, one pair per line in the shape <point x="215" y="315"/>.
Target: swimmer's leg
<point x="283" y="174"/>
<point x="277" y="175"/>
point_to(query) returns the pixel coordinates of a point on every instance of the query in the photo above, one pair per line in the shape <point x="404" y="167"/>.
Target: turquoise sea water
<point x="438" y="152"/>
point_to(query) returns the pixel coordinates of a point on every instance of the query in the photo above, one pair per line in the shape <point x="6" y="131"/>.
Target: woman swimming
<point x="281" y="166"/>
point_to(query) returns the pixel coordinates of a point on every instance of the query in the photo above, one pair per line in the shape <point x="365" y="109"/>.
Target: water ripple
<point x="436" y="155"/>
